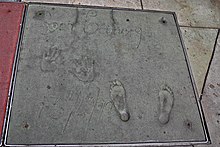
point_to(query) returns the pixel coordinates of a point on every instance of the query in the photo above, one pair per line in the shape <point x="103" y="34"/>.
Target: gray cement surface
<point x="69" y="58"/>
<point x="211" y="97"/>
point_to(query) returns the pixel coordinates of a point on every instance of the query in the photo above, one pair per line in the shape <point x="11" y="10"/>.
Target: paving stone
<point x="199" y="43"/>
<point x="197" y="13"/>
<point x="11" y="17"/>
<point x="82" y="72"/>
<point x="211" y="98"/>
<point x="136" y="4"/>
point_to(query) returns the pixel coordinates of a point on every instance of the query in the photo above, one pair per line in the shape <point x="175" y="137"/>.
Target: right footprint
<point x="166" y="99"/>
<point x="118" y="96"/>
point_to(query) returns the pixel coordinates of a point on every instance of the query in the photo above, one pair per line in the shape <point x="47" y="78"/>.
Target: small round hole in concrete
<point x="26" y="125"/>
<point x="163" y="20"/>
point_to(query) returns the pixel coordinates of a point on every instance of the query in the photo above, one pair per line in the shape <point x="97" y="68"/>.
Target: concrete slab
<point x="199" y="43"/>
<point x="197" y="13"/>
<point x="102" y="76"/>
<point x="136" y="4"/>
<point x="11" y="17"/>
<point x="211" y="98"/>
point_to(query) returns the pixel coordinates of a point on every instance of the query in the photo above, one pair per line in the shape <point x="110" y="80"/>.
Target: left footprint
<point x="118" y="96"/>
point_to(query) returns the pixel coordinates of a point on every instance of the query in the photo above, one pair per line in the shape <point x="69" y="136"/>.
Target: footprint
<point x="118" y="96"/>
<point x="166" y="98"/>
<point x="49" y="58"/>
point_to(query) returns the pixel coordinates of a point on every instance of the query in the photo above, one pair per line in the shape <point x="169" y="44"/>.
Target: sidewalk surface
<point x="10" y="16"/>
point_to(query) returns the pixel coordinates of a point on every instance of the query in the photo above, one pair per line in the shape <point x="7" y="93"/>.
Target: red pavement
<point x="10" y="20"/>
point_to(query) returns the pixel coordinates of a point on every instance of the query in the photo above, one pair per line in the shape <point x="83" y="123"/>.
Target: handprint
<point x="83" y="69"/>
<point x="48" y="62"/>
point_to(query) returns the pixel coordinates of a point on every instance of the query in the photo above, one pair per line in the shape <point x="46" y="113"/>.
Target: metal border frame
<point x="10" y="91"/>
<point x="150" y="142"/>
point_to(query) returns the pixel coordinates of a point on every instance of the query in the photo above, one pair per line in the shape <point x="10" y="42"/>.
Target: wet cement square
<point x="10" y="19"/>
<point x="83" y="71"/>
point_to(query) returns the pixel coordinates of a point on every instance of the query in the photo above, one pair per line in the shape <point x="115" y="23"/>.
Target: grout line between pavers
<point x="141" y="5"/>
